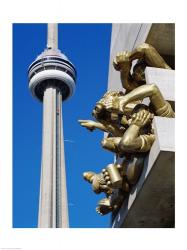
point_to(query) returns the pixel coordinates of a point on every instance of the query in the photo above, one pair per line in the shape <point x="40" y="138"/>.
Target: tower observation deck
<point x="52" y="80"/>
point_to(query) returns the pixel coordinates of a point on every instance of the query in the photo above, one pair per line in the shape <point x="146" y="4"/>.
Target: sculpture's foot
<point x="104" y="206"/>
<point x="111" y="172"/>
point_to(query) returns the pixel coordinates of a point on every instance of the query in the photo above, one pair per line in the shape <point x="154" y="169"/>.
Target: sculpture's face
<point x="98" y="111"/>
<point x="139" y="72"/>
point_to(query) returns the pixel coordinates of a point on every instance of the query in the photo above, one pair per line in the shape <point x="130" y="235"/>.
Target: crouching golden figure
<point x="128" y="123"/>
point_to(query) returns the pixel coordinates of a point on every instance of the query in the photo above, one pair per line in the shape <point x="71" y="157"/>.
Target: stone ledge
<point x="165" y="80"/>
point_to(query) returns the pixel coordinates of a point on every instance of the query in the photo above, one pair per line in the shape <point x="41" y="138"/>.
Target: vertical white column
<point x="54" y="173"/>
<point x="46" y="209"/>
<point x="53" y="208"/>
<point x="63" y="201"/>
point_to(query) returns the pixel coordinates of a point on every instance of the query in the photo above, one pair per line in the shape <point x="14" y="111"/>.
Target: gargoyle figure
<point x="105" y="120"/>
<point x="99" y="184"/>
<point x="128" y="123"/>
<point x="138" y="137"/>
<point x="128" y="132"/>
<point x="147" y="55"/>
<point x="130" y="135"/>
<point x="102" y="182"/>
<point x="128" y="171"/>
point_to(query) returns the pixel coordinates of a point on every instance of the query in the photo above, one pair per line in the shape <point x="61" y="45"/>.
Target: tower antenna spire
<point x="52" y="36"/>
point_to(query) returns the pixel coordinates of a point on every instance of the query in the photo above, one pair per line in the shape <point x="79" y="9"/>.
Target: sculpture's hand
<point x="122" y="61"/>
<point x="122" y="102"/>
<point x="111" y="144"/>
<point x="112" y="104"/>
<point x="142" y="118"/>
<point x="108" y="103"/>
<point x="89" y="124"/>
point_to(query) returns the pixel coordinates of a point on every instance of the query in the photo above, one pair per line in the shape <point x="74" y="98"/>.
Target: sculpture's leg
<point x="161" y="107"/>
<point x="134" y="169"/>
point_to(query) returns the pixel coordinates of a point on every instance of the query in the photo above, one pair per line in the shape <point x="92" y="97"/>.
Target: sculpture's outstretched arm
<point x="91" y="125"/>
<point x="150" y="55"/>
<point x="105" y="126"/>
<point x="161" y="107"/>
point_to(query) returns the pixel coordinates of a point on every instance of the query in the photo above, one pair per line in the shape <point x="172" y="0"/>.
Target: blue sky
<point x="88" y="48"/>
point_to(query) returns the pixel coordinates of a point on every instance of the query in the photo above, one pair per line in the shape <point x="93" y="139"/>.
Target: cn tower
<point x="52" y="80"/>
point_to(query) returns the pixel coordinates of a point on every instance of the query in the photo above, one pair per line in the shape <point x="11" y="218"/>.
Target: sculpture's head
<point x="99" y="111"/>
<point x="101" y="114"/>
<point x="105" y="108"/>
<point x="139" y="72"/>
<point x="89" y="176"/>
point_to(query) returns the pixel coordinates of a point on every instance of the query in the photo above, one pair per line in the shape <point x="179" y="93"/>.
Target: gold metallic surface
<point x="99" y="184"/>
<point x="147" y="55"/>
<point x="113" y="176"/>
<point x="128" y="123"/>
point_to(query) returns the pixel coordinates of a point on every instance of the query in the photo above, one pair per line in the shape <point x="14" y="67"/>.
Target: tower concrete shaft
<point x="53" y="208"/>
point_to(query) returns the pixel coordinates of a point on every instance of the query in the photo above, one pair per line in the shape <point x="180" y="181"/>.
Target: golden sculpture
<point x="147" y="55"/>
<point x="105" y="181"/>
<point x="128" y="123"/>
